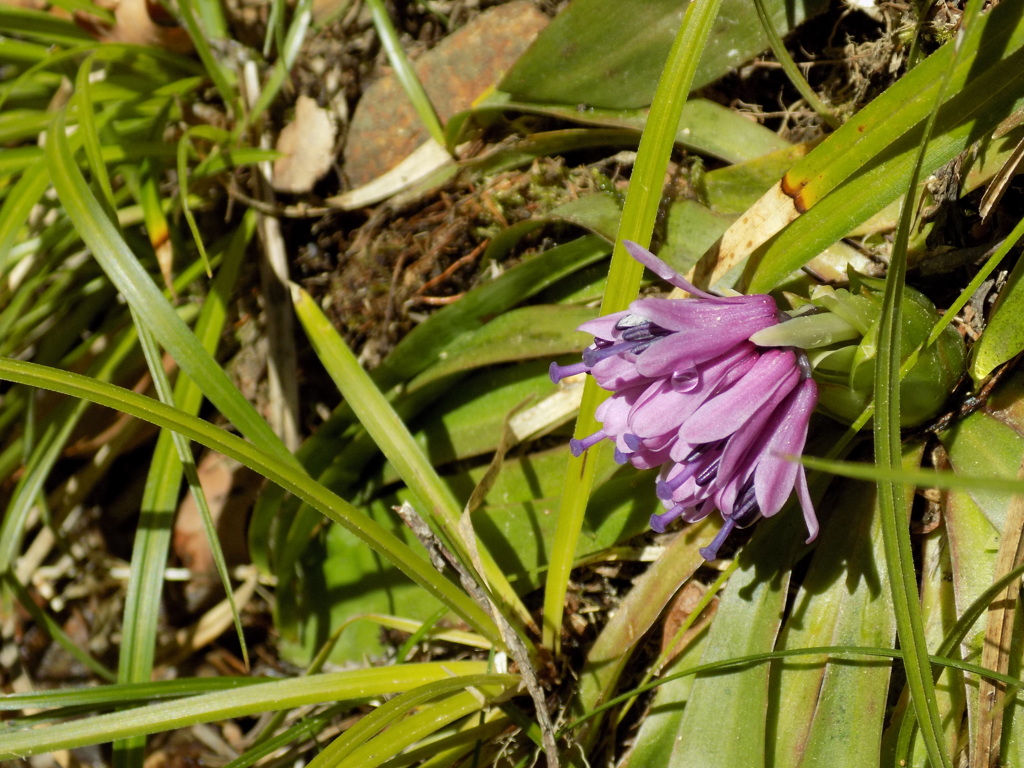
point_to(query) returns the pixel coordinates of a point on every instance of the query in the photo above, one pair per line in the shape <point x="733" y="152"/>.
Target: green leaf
<point x="340" y="578"/>
<point x="122" y="694"/>
<point x="704" y="126"/>
<point x="842" y="601"/>
<point x="54" y="432"/>
<point x="468" y="420"/>
<point x="221" y="705"/>
<point x="660" y="728"/>
<point x="603" y="53"/>
<point x="691" y="229"/>
<point x="987" y="446"/>
<point x="610" y="655"/>
<point x="41" y="26"/>
<point x="638" y="217"/>
<point x="541" y="331"/>
<point x="267" y="465"/>
<point x="143" y="598"/>
<point x="1003" y="338"/>
<point x="899" y="558"/>
<point x="124" y="270"/>
<point x="352" y="746"/>
<point x="985" y="443"/>
<point x="864" y="165"/>
<point x="428" y="343"/>
<point x="747" y="622"/>
<point x="734" y="188"/>
<point x="438" y="506"/>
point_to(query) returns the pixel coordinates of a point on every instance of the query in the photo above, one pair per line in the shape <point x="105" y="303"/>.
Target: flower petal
<point x="682" y="350"/>
<point x="751" y="438"/>
<point x="802" y="493"/>
<point x="727" y="412"/>
<point x="697" y="315"/>
<point x="617" y="373"/>
<point x="663" y="270"/>
<point x="775" y="474"/>
<point x="604" y="327"/>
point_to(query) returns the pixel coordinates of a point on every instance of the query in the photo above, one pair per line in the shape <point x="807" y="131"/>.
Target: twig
<point x="516" y="648"/>
<point x="298" y="211"/>
<point x="281" y="360"/>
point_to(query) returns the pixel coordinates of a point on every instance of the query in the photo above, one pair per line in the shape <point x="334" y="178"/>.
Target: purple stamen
<point x="710" y="552"/>
<point x="660" y="523"/>
<point x="666" y="488"/>
<point x="709" y="473"/>
<point x="579" y="446"/>
<point x="746" y="510"/>
<point x="558" y="372"/>
<point x="593" y="355"/>
<point x="637" y="332"/>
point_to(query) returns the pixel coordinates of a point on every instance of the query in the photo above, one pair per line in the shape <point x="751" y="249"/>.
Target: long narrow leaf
<point x="246" y="701"/>
<point x="404" y="71"/>
<point x="285" y="475"/>
<point x="638" y="216"/>
<point x="395" y="440"/>
<point x="895" y="531"/>
<point x="138" y="288"/>
<point x="388" y="714"/>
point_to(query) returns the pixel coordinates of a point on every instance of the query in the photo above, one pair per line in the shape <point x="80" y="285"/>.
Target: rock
<point x="385" y="128"/>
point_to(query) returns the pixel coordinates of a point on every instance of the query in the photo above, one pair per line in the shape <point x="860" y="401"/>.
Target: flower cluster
<point x="693" y="395"/>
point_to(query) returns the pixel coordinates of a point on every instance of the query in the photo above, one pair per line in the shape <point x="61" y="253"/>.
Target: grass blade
<point x="124" y="270"/>
<point x="404" y="71"/>
<point x="638" y="217"/>
<point x="790" y="68"/>
<point x="248" y="700"/>
<point x="391" y="712"/>
<point x="270" y="466"/>
<point x="391" y="434"/>
<point x="163" y="483"/>
<point x="899" y="555"/>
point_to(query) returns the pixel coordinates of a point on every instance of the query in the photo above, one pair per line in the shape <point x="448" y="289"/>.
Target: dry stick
<point x="996" y="652"/>
<point x="515" y="646"/>
<point x="281" y="360"/>
<point x="1001" y="181"/>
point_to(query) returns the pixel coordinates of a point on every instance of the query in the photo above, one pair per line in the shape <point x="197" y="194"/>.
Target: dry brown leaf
<point x="760" y="222"/>
<point x="308" y="146"/>
<point x="678" y="612"/>
<point x="230" y="489"/>
<point x="386" y="129"/>
<point x="995" y="654"/>
<point x="139" y="22"/>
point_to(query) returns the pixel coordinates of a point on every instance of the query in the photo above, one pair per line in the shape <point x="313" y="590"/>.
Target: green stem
<point x="404" y="72"/>
<point x="637" y="224"/>
<point x="899" y="556"/>
<point x="790" y="68"/>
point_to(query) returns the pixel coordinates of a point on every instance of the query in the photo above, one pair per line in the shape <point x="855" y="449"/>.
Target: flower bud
<point x="845" y="369"/>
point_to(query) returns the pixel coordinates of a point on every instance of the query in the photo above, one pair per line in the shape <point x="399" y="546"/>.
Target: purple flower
<point x="693" y="395"/>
